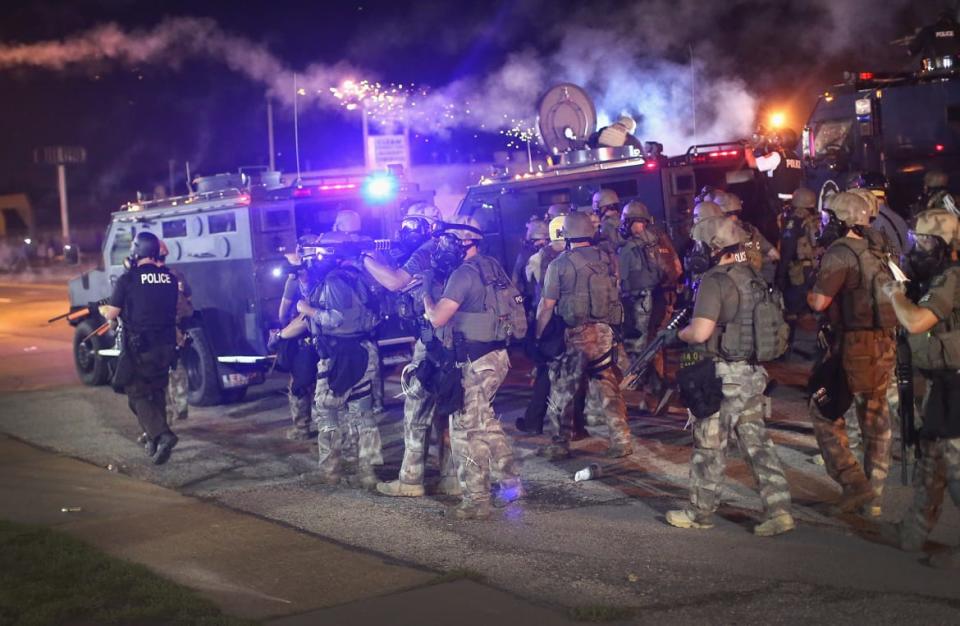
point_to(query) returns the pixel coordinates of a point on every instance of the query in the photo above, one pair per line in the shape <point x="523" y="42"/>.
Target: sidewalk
<point x="250" y="567"/>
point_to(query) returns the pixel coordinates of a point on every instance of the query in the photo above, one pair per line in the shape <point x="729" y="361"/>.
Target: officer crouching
<point x="145" y="301"/>
<point x="737" y="324"/>
<point x="934" y="326"/>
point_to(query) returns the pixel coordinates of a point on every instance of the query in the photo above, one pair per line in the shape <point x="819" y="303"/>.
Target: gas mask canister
<point x="449" y="254"/>
<point x="831" y="228"/>
<point x="927" y="257"/>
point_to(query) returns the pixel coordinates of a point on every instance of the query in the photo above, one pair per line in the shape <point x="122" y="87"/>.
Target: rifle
<point x="908" y="432"/>
<point x="345" y="248"/>
<point x="80" y="313"/>
<point x="638" y="369"/>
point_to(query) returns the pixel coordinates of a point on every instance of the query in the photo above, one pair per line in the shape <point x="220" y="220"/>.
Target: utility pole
<point x="61" y="156"/>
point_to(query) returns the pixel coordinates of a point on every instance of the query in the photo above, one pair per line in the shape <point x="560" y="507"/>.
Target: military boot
<point x="685" y="518"/>
<point x="298" y="434"/>
<point x="775" y="526"/>
<point x="321" y="478"/>
<point x="449" y="486"/>
<point x="364" y="478"/>
<point x="556" y="451"/>
<point x="619" y="450"/>
<point x="469" y="509"/>
<point x="399" y="489"/>
<point x="853" y="498"/>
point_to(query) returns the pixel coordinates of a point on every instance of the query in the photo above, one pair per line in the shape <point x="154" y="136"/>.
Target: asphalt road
<point x="599" y="543"/>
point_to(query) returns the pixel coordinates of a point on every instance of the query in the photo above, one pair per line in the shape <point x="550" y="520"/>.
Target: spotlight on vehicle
<point x="277" y="272"/>
<point x="778" y="119"/>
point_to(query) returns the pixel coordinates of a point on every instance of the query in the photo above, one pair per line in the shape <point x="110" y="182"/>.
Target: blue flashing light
<point x="379" y="188"/>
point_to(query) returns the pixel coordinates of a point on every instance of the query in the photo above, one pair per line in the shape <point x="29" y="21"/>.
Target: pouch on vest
<point x="938" y="349"/>
<point x="700" y="388"/>
<point x="595" y="297"/>
<point x="868" y="359"/>
<point x="503" y="316"/>
<point x="941" y="418"/>
<point x="642" y="271"/>
<point x="865" y="306"/>
<point x="758" y="330"/>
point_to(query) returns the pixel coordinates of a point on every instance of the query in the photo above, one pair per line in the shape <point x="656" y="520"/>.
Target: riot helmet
<point x="454" y="237"/>
<point x="932" y="239"/>
<point x="145" y="245"/>
<point x="606" y="200"/>
<point x="804" y="198"/>
<point x="577" y="228"/>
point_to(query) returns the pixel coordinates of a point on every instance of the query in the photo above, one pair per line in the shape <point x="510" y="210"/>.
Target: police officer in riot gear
<point x="145" y="301"/>
<point x="650" y="269"/>
<point x="798" y="251"/>
<point x="606" y="206"/>
<point x="931" y="317"/>
<point x="761" y="253"/>
<point x="536" y="238"/>
<point x="848" y="282"/>
<point x="935" y="194"/>
<point x="726" y="396"/>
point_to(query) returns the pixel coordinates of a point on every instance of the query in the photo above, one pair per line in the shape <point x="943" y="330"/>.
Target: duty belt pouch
<point x="552" y="345"/>
<point x="348" y="363"/>
<point x="866" y="359"/>
<point x="302" y="367"/>
<point x="941" y="418"/>
<point x="700" y="388"/>
<point x="122" y="371"/>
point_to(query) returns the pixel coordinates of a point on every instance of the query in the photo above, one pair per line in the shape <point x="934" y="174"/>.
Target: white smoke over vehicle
<point x="633" y="58"/>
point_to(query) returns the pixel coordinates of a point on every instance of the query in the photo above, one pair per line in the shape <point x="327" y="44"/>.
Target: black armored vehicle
<point x="228" y="240"/>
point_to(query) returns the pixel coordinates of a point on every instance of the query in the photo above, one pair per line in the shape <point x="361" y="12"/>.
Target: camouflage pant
<point x="479" y="444"/>
<point x="418" y="416"/>
<point x="586" y="348"/>
<point x="301" y="403"/>
<point x="346" y="420"/>
<point x="842" y="465"/>
<point x="893" y="406"/>
<point x="177" y="390"/>
<point x="741" y="413"/>
<point x="938" y="470"/>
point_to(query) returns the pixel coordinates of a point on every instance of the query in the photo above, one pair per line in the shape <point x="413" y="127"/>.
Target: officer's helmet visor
<point x="415" y="225"/>
<point x="920" y="241"/>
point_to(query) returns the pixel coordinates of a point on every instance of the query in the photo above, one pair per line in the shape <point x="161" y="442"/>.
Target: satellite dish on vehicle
<point x="566" y="118"/>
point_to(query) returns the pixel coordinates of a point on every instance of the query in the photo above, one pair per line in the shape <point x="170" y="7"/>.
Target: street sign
<point x="386" y="150"/>
<point x="60" y="155"/>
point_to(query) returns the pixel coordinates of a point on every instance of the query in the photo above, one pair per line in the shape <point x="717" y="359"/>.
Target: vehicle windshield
<point x="831" y="135"/>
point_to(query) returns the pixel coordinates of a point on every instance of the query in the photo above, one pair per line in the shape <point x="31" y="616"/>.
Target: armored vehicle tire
<point x="92" y="368"/>
<point x="201" y="365"/>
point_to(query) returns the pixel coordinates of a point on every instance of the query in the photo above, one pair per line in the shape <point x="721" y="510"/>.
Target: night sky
<point x="134" y="119"/>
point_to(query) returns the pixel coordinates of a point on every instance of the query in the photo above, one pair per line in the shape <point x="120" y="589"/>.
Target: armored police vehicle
<point x="898" y="125"/>
<point x="575" y="172"/>
<point x="228" y="240"/>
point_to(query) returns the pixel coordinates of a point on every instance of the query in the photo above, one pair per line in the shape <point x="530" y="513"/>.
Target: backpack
<point x="503" y="316"/>
<point x="758" y="331"/>
<point x="595" y="296"/>
<point x="865" y="307"/>
<point x="358" y="319"/>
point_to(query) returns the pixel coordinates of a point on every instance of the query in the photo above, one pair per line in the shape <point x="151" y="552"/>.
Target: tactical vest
<point x="864" y="307"/>
<point x="939" y="348"/>
<point x="594" y="296"/>
<point x="502" y="316"/>
<point x="757" y="331"/>
<point x="359" y="318"/>
<point x="803" y="227"/>
<point x="640" y="265"/>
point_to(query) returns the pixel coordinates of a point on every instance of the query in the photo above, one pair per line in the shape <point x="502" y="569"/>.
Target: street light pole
<point x="64" y="216"/>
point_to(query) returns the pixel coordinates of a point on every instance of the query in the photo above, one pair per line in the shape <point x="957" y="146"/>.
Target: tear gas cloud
<point x="645" y="60"/>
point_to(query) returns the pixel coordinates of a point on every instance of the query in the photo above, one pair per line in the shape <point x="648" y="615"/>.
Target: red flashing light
<point x="651" y="166"/>
<point x="337" y="187"/>
<point x="939" y="147"/>
<point x="866" y="75"/>
<point x="302" y="192"/>
<point x="244" y="199"/>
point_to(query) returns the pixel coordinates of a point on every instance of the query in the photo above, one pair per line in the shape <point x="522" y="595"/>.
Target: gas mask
<point x="698" y="259"/>
<point x="831" y="230"/>
<point x="414" y="231"/>
<point x="448" y="255"/>
<point x="927" y="257"/>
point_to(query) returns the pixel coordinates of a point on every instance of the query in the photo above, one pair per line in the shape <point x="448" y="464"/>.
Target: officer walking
<point x="849" y="283"/>
<point x="581" y="287"/>
<point x="727" y="396"/>
<point x="761" y="254"/>
<point x="418" y="404"/>
<point x="303" y="362"/>
<point x="145" y="300"/>
<point x="932" y="322"/>
<point x="470" y="315"/>
<point x="537" y="237"/>
<point x="341" y="325"/>
<point x="649" y="269"/>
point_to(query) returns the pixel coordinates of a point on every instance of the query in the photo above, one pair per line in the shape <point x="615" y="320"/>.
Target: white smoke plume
<point x="632" y="59"/>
